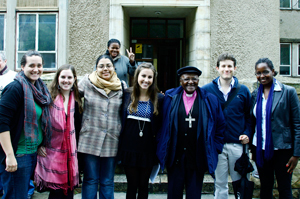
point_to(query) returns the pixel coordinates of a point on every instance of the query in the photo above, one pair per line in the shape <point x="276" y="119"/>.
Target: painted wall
<point x="2" y="3"/>
<point x="37" y="3"/>
<point x="88" y="33"/>
<point x="247" y="29"/>
<point x="290" y="24"/>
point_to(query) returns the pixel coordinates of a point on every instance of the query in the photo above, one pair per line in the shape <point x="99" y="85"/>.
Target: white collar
<point x="276" y="85"/>
<point x="231" y="83"/>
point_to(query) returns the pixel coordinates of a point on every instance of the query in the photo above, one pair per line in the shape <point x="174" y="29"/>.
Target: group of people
<point x="188" y="129"/>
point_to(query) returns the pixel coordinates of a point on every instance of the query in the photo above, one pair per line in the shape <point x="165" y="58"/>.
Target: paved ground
<point x="120" y="195"/>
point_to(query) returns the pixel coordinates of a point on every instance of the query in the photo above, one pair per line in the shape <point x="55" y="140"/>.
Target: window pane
<point x="147" y="52"/>
<point x="285" y="3"/>
<point x="49" y="60"/>
<point x="284" y="54"/>
<point x="27" y="32"/>
<point x="284" y="70"/>
<point x="139" y="28"/>
<point x="157" y="28"/>
<point x="47" y="30"/>
<point x="1" y="32"/>
<point x="20" y="55"/>
<point x="175" y="28"/>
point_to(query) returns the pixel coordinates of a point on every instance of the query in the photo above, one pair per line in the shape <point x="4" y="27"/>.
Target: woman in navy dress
<point x="140" y="116"/>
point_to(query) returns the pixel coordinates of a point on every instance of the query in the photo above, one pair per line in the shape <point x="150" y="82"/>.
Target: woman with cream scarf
<point x="101" y="125"/>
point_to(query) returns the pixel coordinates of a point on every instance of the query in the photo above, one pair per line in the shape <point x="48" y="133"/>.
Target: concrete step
<point x="160" y="184"/>
<point x="122" y="195"/>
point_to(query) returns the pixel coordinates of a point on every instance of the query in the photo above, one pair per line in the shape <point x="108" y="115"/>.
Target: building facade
<point x="168" y="33"/>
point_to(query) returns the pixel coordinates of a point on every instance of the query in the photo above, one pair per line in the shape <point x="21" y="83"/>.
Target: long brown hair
<point x="54" y="90"/>
<point x="152" y="90"/>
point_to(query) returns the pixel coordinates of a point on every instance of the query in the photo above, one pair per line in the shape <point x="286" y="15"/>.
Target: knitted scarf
<point x="269" y="148"/>
<point x="114" y="84"/>
<point x="59" y="169"/>
<point x="38" y="93"/>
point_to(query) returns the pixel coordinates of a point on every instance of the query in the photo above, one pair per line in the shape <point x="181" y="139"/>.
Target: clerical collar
<point x="4" y="70"/>
<point x="189" y="95"/>
<point x="188" y="100"/>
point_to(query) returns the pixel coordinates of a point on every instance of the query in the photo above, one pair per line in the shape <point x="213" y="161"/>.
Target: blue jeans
<point x="98" y="170"/>
<point x="15" y="184"/>
<point x="30" y="188"/>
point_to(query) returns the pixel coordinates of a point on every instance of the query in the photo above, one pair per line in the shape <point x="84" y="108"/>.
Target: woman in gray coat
<point x="123" y="65"/>
<point x="275" y="116"/>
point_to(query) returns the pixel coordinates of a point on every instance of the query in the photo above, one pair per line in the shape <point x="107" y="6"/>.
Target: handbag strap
<point x="231" y="96"/>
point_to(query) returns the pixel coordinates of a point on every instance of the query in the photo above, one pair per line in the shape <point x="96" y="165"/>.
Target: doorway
<point x="159" y="41"/>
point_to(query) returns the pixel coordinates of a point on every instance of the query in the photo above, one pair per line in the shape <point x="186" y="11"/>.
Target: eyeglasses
<point x="265" y="73"/>
<point x="103" y="66"/>
<point x="194" y="79"/>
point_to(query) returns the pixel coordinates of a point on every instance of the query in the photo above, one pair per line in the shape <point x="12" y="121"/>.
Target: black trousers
<point x="59" y="194"/>
<point x="137" y="181"/>
<point x="180" y="176"/>
<point x="277" y="166"/>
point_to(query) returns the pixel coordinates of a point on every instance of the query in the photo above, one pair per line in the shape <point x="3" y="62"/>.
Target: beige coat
<point x="101" y="122"/>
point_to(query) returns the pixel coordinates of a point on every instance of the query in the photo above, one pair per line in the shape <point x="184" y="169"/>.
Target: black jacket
<point x="12" y="114"/>
<point x="285" y="119"/>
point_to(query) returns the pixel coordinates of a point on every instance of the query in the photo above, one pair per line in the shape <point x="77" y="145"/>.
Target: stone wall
<point x="88" y="32"/>
<point x="247" y="29"/>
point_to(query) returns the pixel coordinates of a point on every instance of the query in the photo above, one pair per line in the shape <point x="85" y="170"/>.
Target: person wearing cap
<point x="235" y="101"/>
<point x="191" y="137"/>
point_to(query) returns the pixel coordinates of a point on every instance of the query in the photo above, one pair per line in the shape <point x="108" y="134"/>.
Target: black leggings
<point x="59" y="194"/>
<point x="137" y="178"/>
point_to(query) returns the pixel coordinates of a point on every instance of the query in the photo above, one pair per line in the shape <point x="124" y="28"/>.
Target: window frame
<point x="290" y="66"/>
<point x="37" y="14"/>
<point x="298" y="60"/>
<point x="284" y="8"/>
<point x="4" y="33"/>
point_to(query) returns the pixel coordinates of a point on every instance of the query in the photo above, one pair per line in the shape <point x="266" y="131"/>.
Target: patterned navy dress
<point x="138" y="142"/>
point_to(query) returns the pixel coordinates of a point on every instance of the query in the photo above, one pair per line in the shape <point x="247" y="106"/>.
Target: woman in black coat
<point x="275" y="116"/>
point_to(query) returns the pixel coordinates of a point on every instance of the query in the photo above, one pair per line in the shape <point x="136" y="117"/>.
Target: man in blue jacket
<point x="191" y="136"/>
<point x="235" y="102"/>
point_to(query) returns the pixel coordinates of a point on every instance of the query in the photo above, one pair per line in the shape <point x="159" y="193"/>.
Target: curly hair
<point x="268" y="62"/>
<point x="226" y="56"/>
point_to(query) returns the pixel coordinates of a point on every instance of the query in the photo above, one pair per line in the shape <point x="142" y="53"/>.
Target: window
<point x="298" y="60"/>
<point x="285" y="3"/>
<point x="157" y="28"/>
<point x="285" y="59"/>
<point x="2" y="32"/>
<point x="290" y="59"/>
<point x="38" y="32"/>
